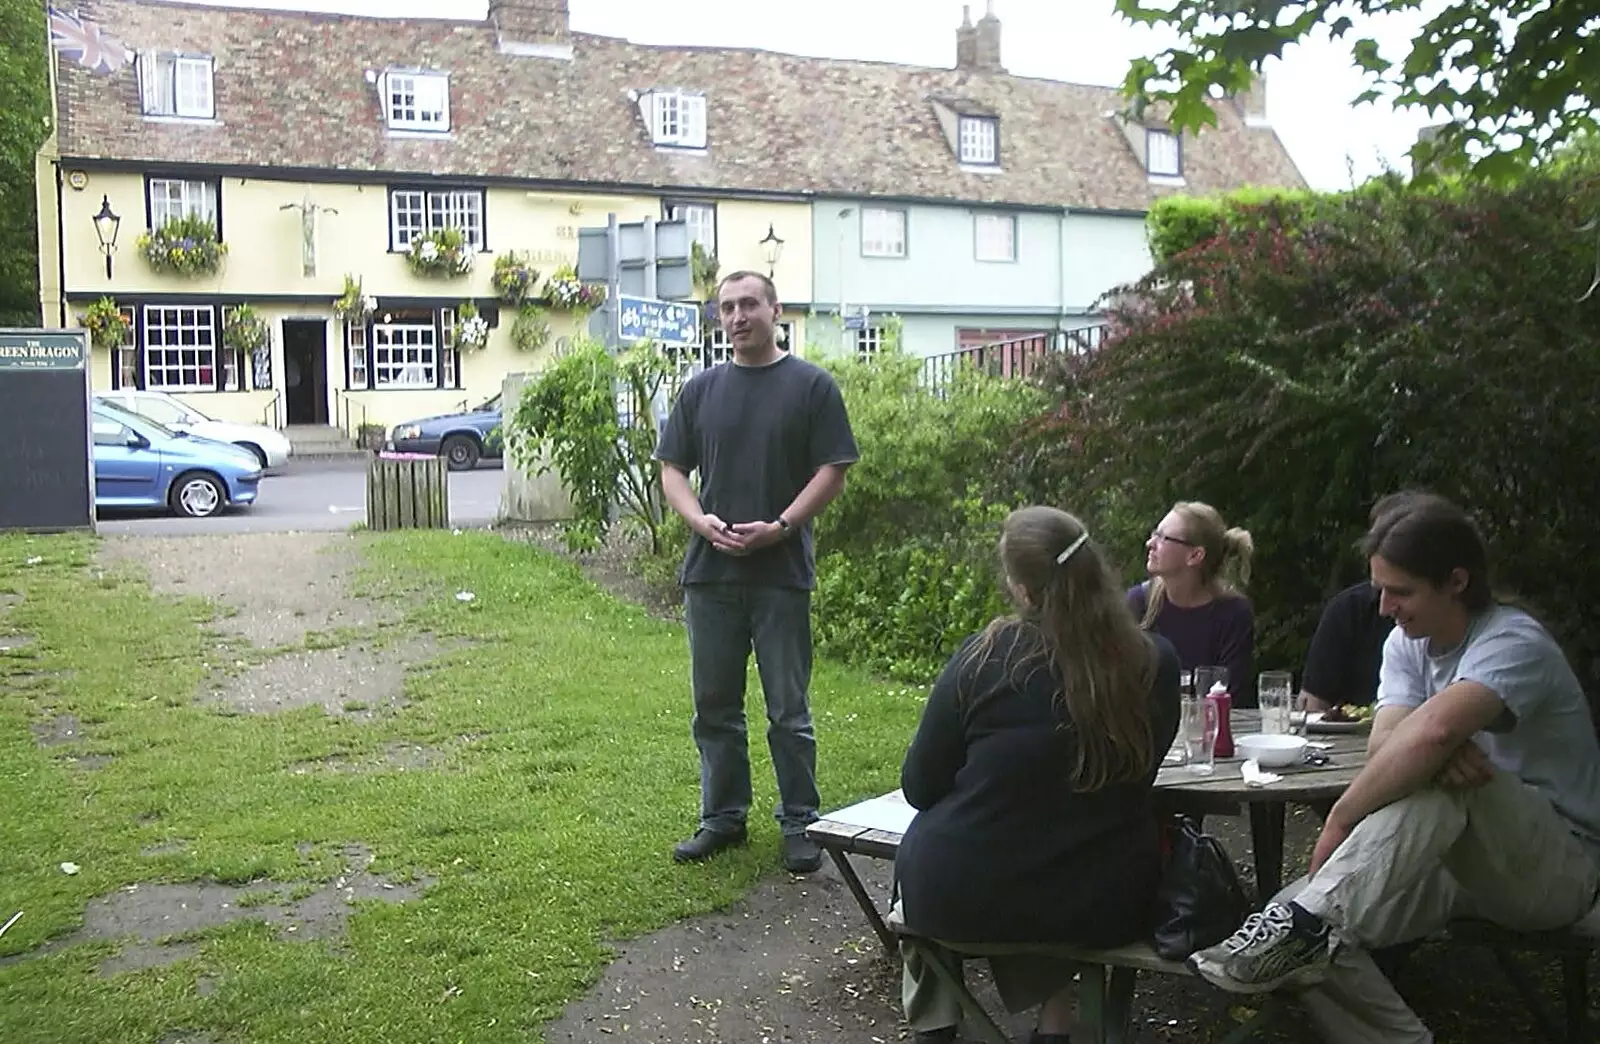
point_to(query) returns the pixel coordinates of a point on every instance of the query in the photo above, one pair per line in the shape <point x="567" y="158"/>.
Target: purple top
<point x="1221" y="633"/>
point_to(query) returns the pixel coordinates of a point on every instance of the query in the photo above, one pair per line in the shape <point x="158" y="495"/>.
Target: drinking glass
<point x="1199" y="732"/>
<point x="1206" y="677"/>
<point x="1275" y="689"/>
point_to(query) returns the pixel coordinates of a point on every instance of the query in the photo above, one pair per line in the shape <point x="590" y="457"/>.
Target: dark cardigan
<point x="1003" y="849"/>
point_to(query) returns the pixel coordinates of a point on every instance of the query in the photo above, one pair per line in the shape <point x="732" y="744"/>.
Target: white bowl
<point x="1271" y="750"/>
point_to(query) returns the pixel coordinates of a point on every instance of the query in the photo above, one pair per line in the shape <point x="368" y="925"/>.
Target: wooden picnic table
<point x="873" y="828"/>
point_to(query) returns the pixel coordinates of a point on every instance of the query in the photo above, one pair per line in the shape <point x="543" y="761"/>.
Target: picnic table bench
<point x="872" y="829"/>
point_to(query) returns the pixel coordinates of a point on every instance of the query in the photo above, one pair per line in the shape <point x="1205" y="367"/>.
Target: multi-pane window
<point x="701" y="218"/>
<point x="355" y="343"/>
<point x="678" y="118"/>
<point x="883" y="232"/>
<point x="869" y="341"/>
<point x="180" y="347"/>
<point x="449" y="352"/>
<point x="979" y="138"/>
<point x="404" y="354"/>
<point x="1163" y="154"/>
<point x="417" y="101"/>
<point x="179" y="197"/>
<point x="125" y="356"/>
<point x="176" y="85"/>
<point x="995" y="237"/>
<point x="413" y="212"/>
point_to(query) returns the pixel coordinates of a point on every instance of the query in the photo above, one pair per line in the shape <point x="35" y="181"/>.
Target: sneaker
<point x="706" y="843"/>
<point x="801" y="855"/>
<point x="1269" y="951"/>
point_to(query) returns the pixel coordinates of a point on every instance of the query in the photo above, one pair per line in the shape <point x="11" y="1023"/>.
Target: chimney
<point x="966" y="42"/>
<point x="989" y="43"/>
<point x="1252" y="102"/>
<point x="525" y="23"/>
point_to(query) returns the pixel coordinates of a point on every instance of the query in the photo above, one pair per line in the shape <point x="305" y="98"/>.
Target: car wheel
<point x="460" y="453"/>
<point x="261" y="454"/>
<point x="198" y="495"/>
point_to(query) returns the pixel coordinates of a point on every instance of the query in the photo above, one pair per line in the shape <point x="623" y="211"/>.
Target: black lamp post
<point x="772" y="247"/>
<point x="106" y="225"/>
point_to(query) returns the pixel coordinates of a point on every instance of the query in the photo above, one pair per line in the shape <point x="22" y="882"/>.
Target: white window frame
<point x="994" y="236"/>
<point x="701" y="219"/>
<point x="677" y="118"/>
<point x="166" y="365"/>
<point x="415" y="211"/>
<point x="405" y="354"/>
<point x="177" y="85"/>
<point x="869" y="342"/>
<point x="719" y="349"/>
<point x="1163" y="152"/>
<point x="170" y="198"/>
<point x="978" y="140"/>
<point x="417" y="100"/>
<point x="355" y="340"/>
<point x="883" y="232"/>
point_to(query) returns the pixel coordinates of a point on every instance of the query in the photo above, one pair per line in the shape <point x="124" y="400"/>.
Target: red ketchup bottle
<point x="1221" y="702"/>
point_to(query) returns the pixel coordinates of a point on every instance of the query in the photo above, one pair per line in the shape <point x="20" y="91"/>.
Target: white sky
<point x="1082" y="41"/>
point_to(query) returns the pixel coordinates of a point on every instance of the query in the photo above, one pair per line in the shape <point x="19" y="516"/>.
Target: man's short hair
<point x="766" y="282"/>
<point x="1430" y="537"/>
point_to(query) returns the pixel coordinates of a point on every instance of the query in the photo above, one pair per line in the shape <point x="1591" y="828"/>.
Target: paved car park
<point x="317" y="496"/>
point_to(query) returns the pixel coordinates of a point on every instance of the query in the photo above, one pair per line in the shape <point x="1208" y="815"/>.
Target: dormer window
<point x="417" y="101"/>
<point x="677" y="118"/>
<point x="176" y="85"/>
<point x="1163" y="154"/>
<point x="979" y="140"/>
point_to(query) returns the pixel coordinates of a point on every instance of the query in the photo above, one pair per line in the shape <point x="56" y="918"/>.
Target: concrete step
<point x="322" y="442"/>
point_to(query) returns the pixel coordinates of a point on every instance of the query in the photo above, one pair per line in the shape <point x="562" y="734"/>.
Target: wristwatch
<point x="784" y="525"/>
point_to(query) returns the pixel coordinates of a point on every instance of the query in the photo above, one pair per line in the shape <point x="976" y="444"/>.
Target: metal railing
<point x="1018" y="357"/>
<point x="269" y="416"/>
<point x="345" y="413"/>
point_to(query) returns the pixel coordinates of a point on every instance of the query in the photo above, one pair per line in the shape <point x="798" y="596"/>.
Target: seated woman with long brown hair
<point x="1032" y="771"/>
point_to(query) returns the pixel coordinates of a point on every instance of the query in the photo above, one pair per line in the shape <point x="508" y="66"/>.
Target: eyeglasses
<point x="1157" y="535"/>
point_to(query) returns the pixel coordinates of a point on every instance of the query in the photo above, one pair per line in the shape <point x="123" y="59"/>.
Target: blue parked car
<point x="141" y="464"/>
<point x="460" y="438"/>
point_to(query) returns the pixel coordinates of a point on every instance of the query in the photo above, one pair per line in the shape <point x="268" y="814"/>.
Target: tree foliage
<point x="1517" y="78"/>
<point x="1303" y="362"/>
<point x="24" y="125"/>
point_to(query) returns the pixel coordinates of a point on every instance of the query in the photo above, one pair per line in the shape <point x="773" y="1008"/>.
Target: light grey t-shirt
<point x="1547" y="736"/>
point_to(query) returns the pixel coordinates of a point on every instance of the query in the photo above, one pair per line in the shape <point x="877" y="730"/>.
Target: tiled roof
<point x="292" y="91"/>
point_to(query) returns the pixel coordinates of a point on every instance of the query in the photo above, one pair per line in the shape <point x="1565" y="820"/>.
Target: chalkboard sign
<point x="46" y="469"/>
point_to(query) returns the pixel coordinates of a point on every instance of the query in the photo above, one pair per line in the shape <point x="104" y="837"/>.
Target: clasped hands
<point x="738" y="538"/>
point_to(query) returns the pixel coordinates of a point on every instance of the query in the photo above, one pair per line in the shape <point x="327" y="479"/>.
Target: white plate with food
<point x="1340" y="719"/>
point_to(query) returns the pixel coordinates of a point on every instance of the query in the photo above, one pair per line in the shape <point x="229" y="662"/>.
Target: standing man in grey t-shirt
<point x="770" y="438"/>
<point x="1480" y="796"/>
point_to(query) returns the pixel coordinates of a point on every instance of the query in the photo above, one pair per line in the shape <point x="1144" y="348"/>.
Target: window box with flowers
<point x="472" y="329"/>
<point x="515" y="280"/>
<point x="441" y="254"/>
<point x="184" y="246"/>
<point x="353" y="306"/>
<point x="565" y="292"/>
<point x="107" y="325"/>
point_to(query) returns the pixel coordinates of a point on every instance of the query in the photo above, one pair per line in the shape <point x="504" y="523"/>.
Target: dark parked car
<point x="461" y="438"/>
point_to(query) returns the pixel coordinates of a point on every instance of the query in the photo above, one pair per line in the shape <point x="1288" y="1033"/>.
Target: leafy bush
<point x="1304" y="362"/>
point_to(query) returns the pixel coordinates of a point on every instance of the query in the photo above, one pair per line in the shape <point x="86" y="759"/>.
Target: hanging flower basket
<point x="531" y="330"/>
<point x="184" y="246"/>
<point x="353" y="306"/>
<point x="444" y="254"/>
<point x="472" y="330"/>
<point x="565" y="292"/>
<point x="107" y="326"/>
<point x="703" y="269"/>
<point x="244" y="329"/>
<point x="515" y="280"/>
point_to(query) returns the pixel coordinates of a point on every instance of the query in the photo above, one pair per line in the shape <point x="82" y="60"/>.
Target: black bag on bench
<point x="1200" y="901"/>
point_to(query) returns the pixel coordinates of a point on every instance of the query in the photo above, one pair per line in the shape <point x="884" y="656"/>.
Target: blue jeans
<point x="726" y="622"/>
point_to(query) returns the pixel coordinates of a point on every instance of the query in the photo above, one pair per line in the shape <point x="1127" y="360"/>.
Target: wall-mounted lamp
<point x="106" y="225"/>
<point x="772" y="248"/>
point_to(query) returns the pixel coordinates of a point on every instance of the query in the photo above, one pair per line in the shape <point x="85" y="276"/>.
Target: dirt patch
<point x="7" y="600"/>
<point x="143" y="915"/>
<point x="283" y="586"/>
<point x="14" y="642"/>
<point x="63" y="728"/>
<point x="165" y="848"/>
<point x="356" y="680"/>
<point x="610" y="567"/>
<point x="398" y="756"/>
<point x="188" y="1036"/>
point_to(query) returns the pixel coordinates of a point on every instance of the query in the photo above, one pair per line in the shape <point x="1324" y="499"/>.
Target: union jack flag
<point x="84" y="43"/>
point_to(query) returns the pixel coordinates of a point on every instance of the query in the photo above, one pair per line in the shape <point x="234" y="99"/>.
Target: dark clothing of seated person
<point x="1346" y="650"/>
<point x="1032" y="771"/>
<point x="1198" y="566"/>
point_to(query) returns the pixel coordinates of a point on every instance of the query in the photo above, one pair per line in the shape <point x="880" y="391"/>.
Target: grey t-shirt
<point x="756" y="435"/>
<point x="1547" y="736"/>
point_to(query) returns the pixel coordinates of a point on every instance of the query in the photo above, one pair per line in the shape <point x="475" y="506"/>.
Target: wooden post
<point x="407" y="492"/>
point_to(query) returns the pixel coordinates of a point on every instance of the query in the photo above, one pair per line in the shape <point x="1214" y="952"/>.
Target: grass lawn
<point x="561" y="773"/>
